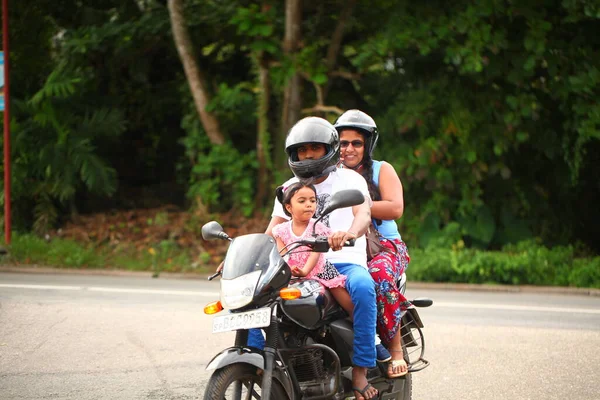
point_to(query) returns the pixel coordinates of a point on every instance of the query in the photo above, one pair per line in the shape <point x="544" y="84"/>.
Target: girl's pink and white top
<point x="300" y="255"/>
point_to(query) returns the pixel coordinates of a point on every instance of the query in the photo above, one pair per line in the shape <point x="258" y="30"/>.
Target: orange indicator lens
<point x="290" y="293"/>
<point x="213" y="308"/>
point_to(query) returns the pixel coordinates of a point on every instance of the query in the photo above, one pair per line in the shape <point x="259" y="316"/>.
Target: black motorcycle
<point x="308" y="336"/>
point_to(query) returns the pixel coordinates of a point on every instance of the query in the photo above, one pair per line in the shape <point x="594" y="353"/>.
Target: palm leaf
<point x="57" y="86"/>
<point x="103" y="122"/>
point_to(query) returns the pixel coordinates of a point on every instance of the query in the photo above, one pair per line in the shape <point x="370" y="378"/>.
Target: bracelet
<point x="355" y="235"/>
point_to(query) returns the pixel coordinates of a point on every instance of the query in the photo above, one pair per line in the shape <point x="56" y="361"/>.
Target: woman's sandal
<point x="395" y="364"/>
<point x="362" y="392"/>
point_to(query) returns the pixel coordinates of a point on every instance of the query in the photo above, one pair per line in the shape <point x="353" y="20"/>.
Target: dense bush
<point x="526" y="263"/>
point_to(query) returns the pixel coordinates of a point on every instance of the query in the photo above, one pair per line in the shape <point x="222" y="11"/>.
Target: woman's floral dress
<point x="386" y="268"/>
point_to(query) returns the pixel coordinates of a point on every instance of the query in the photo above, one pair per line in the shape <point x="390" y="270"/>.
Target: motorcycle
<point x="308" y="336"/>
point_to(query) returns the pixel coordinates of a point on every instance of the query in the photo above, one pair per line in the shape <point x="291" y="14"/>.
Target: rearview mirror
<point x="213" y="230"/>
<point x="344" y="198"/>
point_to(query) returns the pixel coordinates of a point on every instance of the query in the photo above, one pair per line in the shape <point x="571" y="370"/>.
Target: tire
<point x="221" y="384"/>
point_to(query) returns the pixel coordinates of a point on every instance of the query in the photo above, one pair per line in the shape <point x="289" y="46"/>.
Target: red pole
<point x="6" y="123"/>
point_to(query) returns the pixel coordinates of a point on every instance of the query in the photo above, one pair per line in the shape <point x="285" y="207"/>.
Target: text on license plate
<point x="244" y="320"/>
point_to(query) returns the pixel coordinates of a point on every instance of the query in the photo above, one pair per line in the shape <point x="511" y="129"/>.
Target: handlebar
<point x="210" y="278"/>
<point x="318" y="244"/>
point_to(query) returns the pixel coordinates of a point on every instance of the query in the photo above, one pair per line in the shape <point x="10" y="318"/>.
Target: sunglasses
<point x="357" y="144"/>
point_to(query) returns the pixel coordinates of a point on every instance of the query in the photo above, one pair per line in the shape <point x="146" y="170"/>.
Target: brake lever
<point x="210" y="278"/>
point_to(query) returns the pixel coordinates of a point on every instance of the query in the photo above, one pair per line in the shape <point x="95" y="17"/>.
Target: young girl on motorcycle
<point x="299" y="201"/>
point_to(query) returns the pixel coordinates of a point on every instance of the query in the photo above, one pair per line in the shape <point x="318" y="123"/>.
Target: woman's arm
<point x="391" y="205"/>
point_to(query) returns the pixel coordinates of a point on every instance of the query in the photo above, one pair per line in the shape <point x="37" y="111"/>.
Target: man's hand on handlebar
<point x="219" y="271"/>
<point x="338" y="239"/>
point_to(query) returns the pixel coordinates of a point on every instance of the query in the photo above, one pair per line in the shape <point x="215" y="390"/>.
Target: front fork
<point x="269" y="351"/>
<point x="241" y="338"/>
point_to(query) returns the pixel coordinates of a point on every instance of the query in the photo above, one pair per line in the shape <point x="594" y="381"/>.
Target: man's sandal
<point x="362" y="392"/>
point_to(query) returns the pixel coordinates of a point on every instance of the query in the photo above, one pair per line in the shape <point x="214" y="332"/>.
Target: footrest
<point x="419" y="365"/>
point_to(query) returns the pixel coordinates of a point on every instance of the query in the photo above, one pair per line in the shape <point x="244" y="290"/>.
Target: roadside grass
<point x="164" y="256"/>
<point x="525" y="263"/>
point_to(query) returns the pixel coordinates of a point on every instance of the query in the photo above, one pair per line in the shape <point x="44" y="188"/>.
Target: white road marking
<point x="153" y="291"/>
<point x="46" y="287"/>
<point x="474" y="306"/>
<point x="507" y="307"/>
<point x="113" y="290"/>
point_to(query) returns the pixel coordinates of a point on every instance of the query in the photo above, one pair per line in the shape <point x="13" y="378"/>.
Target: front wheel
<point x="239" y="381"/>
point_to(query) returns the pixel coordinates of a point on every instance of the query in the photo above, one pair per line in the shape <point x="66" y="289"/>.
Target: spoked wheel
<point x="239" y="382"/>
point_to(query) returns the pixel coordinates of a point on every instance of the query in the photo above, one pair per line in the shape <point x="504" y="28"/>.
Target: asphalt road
<point x="105" y="337"/>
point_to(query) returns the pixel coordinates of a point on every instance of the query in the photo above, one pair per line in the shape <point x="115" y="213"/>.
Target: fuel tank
<point x="315" y="307"/>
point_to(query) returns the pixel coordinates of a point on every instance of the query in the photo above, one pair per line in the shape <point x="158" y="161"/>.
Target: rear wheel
<point x="239" y="381"/>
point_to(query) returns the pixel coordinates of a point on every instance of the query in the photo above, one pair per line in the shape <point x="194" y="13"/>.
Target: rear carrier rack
<point x="413" y="339"/>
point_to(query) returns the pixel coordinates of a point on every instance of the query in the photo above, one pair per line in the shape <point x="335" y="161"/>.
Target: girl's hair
<point x="284" y="195"/>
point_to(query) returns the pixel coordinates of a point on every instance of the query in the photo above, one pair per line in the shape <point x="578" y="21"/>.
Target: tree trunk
<point x="336" y="41"/>
<point x="292" y="96"/>
<point x="193" y="73"/>
<point x="262" y="137"/>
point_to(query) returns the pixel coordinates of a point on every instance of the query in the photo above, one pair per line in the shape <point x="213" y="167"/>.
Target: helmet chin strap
<point x="326" y="172"/>
<point x="313" y="179"/>
<point x="357" y="167"/>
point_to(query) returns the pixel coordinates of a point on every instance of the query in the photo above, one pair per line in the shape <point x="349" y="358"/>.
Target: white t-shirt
<point x="340" y="219"/>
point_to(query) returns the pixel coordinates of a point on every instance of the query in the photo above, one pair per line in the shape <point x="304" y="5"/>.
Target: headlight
<point x="238" y="292"/>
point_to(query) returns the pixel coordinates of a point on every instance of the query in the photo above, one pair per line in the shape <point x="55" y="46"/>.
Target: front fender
<point x="254" y="357"/>
<point x="234" y="355"/>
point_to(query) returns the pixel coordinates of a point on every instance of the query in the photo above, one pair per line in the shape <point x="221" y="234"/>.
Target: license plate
<point x="244" y="320"/>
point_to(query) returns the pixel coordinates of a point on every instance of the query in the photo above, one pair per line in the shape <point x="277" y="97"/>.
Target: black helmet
<point x="312" y="130"/>
<point x="361" y="122"/>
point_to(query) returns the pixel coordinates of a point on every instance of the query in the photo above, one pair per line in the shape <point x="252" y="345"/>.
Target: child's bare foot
<point x="397" y="366"/>
<point x="363" y="390"/>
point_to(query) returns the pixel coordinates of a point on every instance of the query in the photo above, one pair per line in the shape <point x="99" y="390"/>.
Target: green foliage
<point x="585" y="273"/>
<point x="257" y="25"/>
<point x="524" y="263"/>
<point x="219" y="175"/>
<point x="31" y="249"/>
<point x="488" y="112"/>
<point x="57" y="252"/>
<point x="54" y="151"/>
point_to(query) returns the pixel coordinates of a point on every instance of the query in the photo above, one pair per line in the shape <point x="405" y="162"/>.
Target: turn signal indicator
<point x="290" y="293"/>
<point x="213" y="308"/>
